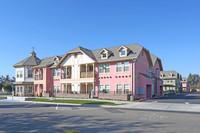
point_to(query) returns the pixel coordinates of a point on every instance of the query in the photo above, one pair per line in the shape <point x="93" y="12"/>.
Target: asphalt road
<point x="16" y="117"/>
<point x="191" y="98"/>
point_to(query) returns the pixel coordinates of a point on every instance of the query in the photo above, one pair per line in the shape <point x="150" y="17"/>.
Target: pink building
<point x="47" y="77"/>
<point x="127" y="70"/>
<point x="185" y="87"/>
<point x="109" y="73"/>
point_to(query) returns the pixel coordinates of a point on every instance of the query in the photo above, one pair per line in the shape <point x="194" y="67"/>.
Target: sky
<point x="170" y="29"/>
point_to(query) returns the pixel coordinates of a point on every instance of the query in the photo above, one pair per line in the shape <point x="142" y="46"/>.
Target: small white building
<point x="24" y="82"/>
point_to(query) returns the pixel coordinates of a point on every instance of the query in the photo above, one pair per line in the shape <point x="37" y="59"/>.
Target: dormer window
<point x="123" y="52"/>
<point x="56" y="61"/>
<point x="104" y="55"/>
<point x="162" y="75"/>
<point x="171" y="75"/>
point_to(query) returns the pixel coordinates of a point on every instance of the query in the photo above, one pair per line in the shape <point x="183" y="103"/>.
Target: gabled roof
<point x="33" y="60"/>
<point x="76" y="50"/>
<point x="167" y="75"/>
<point x="154" y="59"/>
<point x="48" y="61"/>
<point x="104" y="49"/>
<point x="135" y="50"/>
<point x="124" y="47"/>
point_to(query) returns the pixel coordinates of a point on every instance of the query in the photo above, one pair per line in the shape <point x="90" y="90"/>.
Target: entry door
<point x="148" y="91"/>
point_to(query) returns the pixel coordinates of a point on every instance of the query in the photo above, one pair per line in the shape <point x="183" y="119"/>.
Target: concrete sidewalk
<point x="162" y="106"/>
<point x="134" y="105"/>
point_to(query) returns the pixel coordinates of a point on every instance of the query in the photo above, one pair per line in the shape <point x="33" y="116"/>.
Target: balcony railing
<point x="87" y="74"/>
<point x="38" y="77"/>
<point x="65" y="76"/>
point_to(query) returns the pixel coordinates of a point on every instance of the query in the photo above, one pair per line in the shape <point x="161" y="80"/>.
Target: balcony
<point x="87" y="71"/>
<point x="65" y="76"/>
<point x="87" y="74"/>
<point x="38" y="77"/>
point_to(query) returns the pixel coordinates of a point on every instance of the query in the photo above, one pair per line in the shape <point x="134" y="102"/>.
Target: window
<point x="119" y="67"/>
<point x="58" y="72"/>
<point x="126" y="66"/>
<point x="54" y="89"/>
<point x="58" y="89"/>
<point x="107" y="88"/>
<point x="30" y="89"/>
<point x="119" y="89"/>
<point x="126" y="89"/>
<point x="30" y="72"/>
<point x="107" y="68"/>
<point x="21" y="74"/>
<point x="123" y="52"/>
<point x="101" y="68"/>
<point x="20" y="89"/>
<point x="90" y="68"/>
<point x="101" y="89"/>
<point x="17" y="74"/>
<point x="104" y="54"/>
<point x="54" y="72"/>
<point x="56" y="61"/>
<point x="40" y="74"/>
<point x="17" y="89"/>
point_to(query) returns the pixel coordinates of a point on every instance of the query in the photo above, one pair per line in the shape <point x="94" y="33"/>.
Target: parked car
<point x="170" y="92"/>
<point x="193" y="90"/>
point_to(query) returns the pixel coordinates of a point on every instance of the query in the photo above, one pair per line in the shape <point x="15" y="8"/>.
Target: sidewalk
<point x="134" y="105"/>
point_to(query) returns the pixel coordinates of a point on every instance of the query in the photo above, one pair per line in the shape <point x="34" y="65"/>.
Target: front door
<point x="148" y="91"/>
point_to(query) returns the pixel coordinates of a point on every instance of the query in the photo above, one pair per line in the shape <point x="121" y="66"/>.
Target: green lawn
<point x="75" y="101"/>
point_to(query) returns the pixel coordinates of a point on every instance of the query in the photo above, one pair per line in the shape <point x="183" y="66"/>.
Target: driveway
<point x="186" y="98"/>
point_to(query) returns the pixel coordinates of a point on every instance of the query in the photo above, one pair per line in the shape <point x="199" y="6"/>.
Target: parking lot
<point x="34" y="118"/>
<point x="187" y="98"/>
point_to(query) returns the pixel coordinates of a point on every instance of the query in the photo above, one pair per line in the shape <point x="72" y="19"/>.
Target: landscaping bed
<point x="75" y="101"/>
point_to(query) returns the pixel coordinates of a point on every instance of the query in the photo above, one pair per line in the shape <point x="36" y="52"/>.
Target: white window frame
<point x="126" y="66"/>
<point x="119" y="67"/>
<point x="117" y="89"/>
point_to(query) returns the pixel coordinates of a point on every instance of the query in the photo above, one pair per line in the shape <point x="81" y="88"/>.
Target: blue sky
<point x="170" y="29"/>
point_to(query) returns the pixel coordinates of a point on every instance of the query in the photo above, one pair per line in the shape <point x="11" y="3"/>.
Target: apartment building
<point x="109" y="73"/>
<point x="171" y="81"/>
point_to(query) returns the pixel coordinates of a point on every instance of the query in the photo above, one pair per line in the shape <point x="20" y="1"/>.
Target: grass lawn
<point x="75" y="101"/>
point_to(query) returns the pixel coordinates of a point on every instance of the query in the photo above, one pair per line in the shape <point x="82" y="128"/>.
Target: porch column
<point x="86" y="87"/>
<point x="86" y="70"/>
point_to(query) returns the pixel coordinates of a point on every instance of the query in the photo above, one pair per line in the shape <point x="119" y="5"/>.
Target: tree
<point x="7" y="87"/>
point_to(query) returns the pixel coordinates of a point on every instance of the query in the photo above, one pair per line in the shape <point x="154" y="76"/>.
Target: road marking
<point x="57" y="107"/>
<point x="48" y="121"/>
<point x="71" y="131"/>
<point x="187" y="103"/>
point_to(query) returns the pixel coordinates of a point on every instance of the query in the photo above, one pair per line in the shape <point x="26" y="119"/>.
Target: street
<point x="35" y="118"/>
<point x="191" y="98"/>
